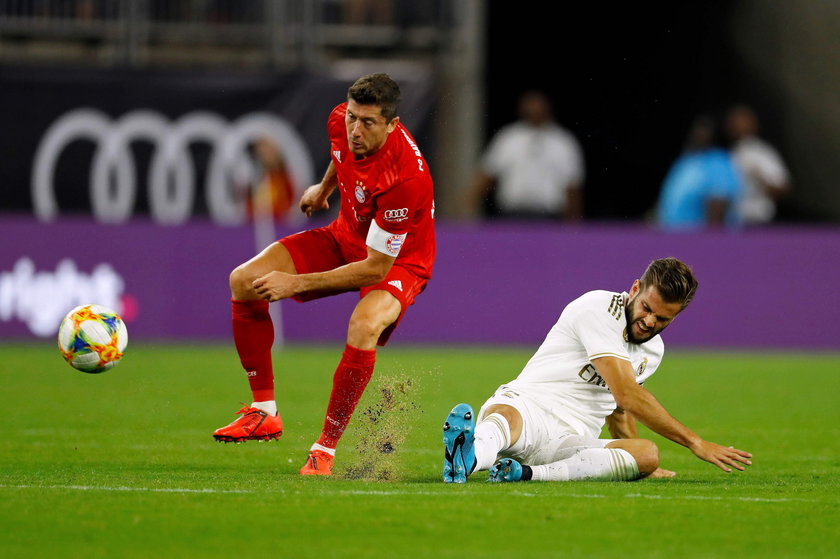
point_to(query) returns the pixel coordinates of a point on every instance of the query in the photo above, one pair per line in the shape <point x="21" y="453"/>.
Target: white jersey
<point x="534" y="166"/>
<point x="758" y="160"/>
<point x="560" y="375"/>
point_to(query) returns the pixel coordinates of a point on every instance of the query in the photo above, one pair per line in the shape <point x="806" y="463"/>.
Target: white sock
<point x="602" y="464"/>
<point x="492" y="436"/>
<point x="269" y="406"/>
<point x="322" y="448"/>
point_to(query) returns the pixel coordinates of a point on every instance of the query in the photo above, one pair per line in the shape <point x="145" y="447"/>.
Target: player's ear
<point x="635" y="288"/>
<point x="392" y="124"/>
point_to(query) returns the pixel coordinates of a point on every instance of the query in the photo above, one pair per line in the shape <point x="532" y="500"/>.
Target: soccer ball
<point x="92" y="338"/>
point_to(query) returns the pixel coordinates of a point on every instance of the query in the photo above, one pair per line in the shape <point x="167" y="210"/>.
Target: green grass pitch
<point x="123" y="464"/>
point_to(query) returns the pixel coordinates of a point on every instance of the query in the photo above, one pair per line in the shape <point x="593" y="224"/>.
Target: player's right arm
<point x="315" y="197"/>
<point x="629" y="395"/>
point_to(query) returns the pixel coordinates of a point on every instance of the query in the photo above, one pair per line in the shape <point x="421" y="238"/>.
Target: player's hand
<point x="660" y="473"/>
<point x="724" y="457"/>
<point x="313" y="200"/>
<point x="275" y="286"/>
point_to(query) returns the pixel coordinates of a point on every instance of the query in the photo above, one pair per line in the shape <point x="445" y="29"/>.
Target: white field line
<point x="601" y="496"/>
<point x="123" y="488"/>
<point x="398" y="492"/>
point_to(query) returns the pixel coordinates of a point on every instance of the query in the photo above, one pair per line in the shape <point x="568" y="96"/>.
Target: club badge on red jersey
<point x="394" y="243"/>
<point x="360" y="193"/>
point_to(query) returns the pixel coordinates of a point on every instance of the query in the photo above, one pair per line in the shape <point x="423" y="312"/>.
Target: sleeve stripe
<point x="597" y="355"/>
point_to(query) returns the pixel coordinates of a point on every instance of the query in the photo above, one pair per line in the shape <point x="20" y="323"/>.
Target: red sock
<point x="349" y="382"/>
<point x="253" y="335"/>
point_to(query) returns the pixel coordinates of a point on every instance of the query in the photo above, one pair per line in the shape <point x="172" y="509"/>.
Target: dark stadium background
<point x="625" y="78"/>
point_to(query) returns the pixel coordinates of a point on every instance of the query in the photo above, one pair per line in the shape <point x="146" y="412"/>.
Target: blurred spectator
<point x="273" y="193"/>
<point x="532" y="168"/>
<point x="702" y="187"/>
<point x="766" y="178"/>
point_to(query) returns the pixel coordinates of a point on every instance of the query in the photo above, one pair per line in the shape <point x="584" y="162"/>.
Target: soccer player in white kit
<point x="590" y="370"/>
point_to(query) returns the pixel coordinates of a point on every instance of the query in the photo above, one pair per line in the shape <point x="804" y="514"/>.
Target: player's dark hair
<point x="377" y="89"/>
<point x="673" y="279"/>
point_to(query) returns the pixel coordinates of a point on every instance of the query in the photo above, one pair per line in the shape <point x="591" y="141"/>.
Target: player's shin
<point x="349" y="382"/>
<point x="492" y="435"/>
<point x="590" y="464"/>
<point x="253" y="335"/>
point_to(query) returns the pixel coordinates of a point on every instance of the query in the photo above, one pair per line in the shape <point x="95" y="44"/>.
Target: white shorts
<point x="545" y="437"/>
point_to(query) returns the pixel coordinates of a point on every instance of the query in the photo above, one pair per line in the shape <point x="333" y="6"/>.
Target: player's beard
<point x="631" y="319"/>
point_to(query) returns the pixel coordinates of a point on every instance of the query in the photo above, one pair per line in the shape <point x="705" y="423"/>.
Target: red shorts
<point x="318" y="250"/>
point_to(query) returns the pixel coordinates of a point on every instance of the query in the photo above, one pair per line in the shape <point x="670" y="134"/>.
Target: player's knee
<point x="240" y="281"/>
<point x="511" y="415"/>
<point x="647" y="457"/>
<point x="374" y="313"/>
<point x="363" y="330"/>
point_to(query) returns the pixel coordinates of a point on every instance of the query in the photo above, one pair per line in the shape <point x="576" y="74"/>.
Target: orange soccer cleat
<point x="319" y="463"/>
<point x="253" y="425"/>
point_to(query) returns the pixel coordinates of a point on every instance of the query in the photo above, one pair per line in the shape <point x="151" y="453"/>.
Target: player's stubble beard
<point x="631" y="319"/>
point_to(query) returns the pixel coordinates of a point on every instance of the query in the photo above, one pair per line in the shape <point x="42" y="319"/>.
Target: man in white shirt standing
<point x="533" y="166"/>
<point x="766" y="178"/>
<point x="590" y="370"/>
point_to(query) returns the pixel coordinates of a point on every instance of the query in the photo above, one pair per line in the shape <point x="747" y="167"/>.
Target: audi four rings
<point x="395" y="215"/>
<point x="171" y="178"/>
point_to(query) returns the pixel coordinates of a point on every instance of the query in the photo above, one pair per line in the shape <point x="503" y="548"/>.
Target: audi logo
<point x="171" y="177"/>
<point x="395" y="215"/>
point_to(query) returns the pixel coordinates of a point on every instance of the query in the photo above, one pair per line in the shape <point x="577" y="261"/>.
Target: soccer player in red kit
<point x="382" y="244"/>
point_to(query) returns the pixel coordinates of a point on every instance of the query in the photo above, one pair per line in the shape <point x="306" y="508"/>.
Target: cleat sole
<point x="224" y="439"/>
<point x="457" y="427"/>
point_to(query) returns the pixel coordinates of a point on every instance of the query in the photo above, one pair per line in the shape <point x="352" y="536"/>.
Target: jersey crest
<point x="616" y="306"/>
<point x="360" y="192"/>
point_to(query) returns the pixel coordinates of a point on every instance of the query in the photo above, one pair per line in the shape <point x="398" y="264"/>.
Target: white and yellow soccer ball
<point x="92" y="338"/>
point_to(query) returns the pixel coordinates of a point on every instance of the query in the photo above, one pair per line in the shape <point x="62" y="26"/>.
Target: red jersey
<point x="387" y="199"/>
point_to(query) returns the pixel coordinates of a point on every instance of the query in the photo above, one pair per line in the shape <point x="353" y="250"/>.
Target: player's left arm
<point x="387" y="233"/>
<point x="622" y="425"/>
<point x="279" y="285"/>
<point x="620" y="378"/>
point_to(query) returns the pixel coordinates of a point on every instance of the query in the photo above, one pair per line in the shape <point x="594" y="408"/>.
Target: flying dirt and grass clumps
<point x="380" y="429"/>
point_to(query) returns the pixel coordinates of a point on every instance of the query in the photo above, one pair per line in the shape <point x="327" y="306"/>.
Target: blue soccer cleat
<point x="506" y="469"/>
<point x="458" y="438"/>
